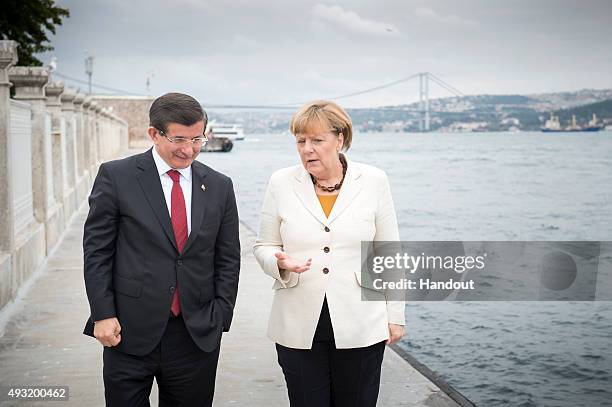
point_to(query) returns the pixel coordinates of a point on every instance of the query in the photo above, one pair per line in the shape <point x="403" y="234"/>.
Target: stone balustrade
<point x="52" y="140"/>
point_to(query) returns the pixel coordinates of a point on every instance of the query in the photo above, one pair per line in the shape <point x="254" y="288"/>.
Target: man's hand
<point x="108" y="331"/>
<point x="287" y="263"/>
<point x="395" y="333"/>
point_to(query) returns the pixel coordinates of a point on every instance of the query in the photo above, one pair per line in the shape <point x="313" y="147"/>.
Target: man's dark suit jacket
<point x="132" y="264"/>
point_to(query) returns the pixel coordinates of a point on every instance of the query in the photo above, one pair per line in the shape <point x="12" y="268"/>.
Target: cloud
<point x="351" y="21"/>
<point x="428" y="15"/>
<point x="195" y="4"/>
<point x="245" y="52"/>
<point x="243" y="43"/>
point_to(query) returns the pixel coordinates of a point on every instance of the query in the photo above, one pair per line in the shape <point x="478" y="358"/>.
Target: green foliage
<point x="501" y="99"/>
<point x="584" y="113"/>
<point x="28" y="22"/>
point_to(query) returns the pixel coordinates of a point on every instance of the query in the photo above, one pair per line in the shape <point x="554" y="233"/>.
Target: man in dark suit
<point x="162" y="258"/>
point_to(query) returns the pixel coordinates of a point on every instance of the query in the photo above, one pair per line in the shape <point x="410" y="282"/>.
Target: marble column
<point x="79" y="120"/>
<point x="69" y="151"/>
<point x="124" y="135"/>
<point x="53" y="91"/>
<point x="30" y="248"/>
<point x="105" y="135"/>
<point x="8" y="57"/>
<point x="29" y="84"/>
<point x="87" y="135"/>
<point x="78" y="132"/>
<point x="56" y="222"/>
<point x="93" y="136"/>
<point x="99" y="153"/>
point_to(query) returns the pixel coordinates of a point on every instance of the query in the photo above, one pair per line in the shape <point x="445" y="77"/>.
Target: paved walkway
<point x="42" y="343"/>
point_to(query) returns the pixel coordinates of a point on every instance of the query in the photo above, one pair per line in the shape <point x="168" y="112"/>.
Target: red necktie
<point x="178" y="214"/>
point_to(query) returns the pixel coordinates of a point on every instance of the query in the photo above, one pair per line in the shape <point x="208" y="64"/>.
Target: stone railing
<point x="52" y="140"/>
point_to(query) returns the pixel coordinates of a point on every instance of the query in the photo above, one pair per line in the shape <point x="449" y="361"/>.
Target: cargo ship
<point x="553" y="125"/>
<point x="593" y="125"/>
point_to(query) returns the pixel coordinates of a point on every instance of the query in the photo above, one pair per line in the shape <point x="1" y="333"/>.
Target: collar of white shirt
<point x="163" y="167"/>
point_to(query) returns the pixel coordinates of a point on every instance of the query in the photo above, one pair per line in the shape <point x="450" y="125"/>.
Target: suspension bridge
<point x="423" y="109"/>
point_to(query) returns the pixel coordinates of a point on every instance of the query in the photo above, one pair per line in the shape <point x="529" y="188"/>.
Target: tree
<point x="28" y="22"/>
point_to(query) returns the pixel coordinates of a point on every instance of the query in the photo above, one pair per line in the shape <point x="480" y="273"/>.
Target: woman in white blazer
<point x="330" y="342"/>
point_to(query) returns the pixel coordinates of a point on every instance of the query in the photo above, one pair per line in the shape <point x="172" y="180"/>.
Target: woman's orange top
<point x="327" y="203"/>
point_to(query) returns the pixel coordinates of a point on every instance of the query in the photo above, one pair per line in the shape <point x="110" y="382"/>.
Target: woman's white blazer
<point x="293" y="221"/>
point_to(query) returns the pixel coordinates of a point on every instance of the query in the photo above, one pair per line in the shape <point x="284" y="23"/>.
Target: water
<point x="525" y="186"/>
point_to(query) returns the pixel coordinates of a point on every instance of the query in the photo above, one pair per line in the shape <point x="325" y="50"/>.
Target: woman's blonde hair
<point x="328" y="115"/>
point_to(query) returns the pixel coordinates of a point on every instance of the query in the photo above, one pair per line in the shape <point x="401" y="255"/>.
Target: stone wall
<point x="134" y="110"/>
<point x="52" y="140"/>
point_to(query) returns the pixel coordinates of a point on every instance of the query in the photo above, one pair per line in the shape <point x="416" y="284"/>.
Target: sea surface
<point x="484" y="186"/>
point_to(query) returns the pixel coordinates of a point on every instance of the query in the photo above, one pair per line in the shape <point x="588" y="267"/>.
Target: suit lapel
<point x="351" y="187"/>
<point x="152" y="189"/>
<point x="304" y="190"/>
<point x="198" y="202"/>
<point x="306" y="193"/>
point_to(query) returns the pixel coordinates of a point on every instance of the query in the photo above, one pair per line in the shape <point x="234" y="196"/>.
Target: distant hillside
<point x="467" y="113"/>
<point x="501" y="99"/>
<point x="491" y="112"/>
<point x="543" y="102"/>
<point x="566" y="100"/>
<point x="584" y="113"/>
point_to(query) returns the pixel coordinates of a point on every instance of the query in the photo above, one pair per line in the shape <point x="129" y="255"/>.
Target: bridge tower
<point x="424" y="101"/>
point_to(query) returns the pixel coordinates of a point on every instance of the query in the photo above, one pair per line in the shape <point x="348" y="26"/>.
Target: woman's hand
<point x="287" y="263"/>
<point x="395" y="333"/>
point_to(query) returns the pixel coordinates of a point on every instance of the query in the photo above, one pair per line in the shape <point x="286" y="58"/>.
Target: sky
<point x="265" y="52"/>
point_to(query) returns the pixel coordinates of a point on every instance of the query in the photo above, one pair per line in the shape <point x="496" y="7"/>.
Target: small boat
<point x="216" y="144"/>
<point x="232" y="131"/>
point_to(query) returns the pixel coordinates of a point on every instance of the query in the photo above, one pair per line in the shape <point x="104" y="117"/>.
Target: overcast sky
<point x="273" y="52"/>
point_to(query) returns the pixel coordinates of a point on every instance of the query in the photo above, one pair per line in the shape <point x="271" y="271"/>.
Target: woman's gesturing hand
<point x="287" y="263"/>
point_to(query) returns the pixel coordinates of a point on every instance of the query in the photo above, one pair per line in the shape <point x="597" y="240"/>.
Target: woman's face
<point x="318" y="148"/>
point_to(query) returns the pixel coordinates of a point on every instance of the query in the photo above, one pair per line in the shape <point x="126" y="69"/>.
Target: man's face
<point x="178" y="155"/>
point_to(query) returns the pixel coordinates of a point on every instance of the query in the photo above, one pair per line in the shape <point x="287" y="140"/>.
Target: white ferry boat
<point x="231" y="131"/>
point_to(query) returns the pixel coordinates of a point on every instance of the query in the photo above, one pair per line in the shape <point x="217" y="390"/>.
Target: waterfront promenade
<point x="42" y="343"/>
<point x="52" y="140"/>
